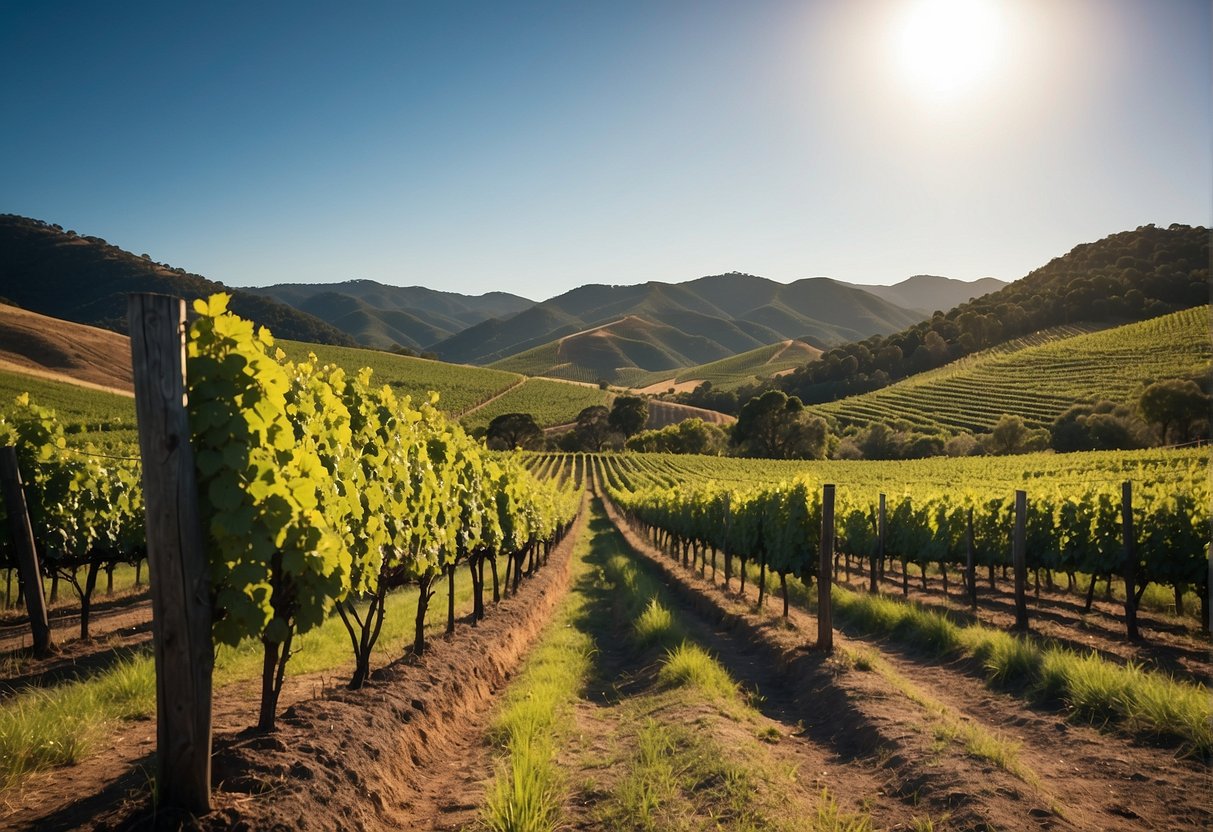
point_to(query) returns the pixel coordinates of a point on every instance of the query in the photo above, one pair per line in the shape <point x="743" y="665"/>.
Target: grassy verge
<point x="1093" y="688"/>
<point x="1142" y="702"/>
<point x="47" y="727"/>
<point x="687" y="765"/>
<point x="527" y="792"/>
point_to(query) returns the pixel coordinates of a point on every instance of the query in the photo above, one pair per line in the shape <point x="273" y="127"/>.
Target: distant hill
<point x="37" y="345"/>
<point x="734" y="371"/>
<point x="378" y="315"/>
<point x="928" y="293"/>
<point x="1040" y="376"/>
<point x="1129" y="276"/>
<point x="715" y="317"/>
<point x="85" y="279"/>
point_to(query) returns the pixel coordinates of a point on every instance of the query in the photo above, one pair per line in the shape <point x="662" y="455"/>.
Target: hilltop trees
<point x="777" y="426"/>
<point x="1129" y="276"/>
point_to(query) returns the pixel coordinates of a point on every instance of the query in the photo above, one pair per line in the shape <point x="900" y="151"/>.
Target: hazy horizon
<point x="536" y="147"/>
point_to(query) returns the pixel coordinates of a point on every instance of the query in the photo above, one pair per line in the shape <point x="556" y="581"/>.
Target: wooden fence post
<point x="878" y="557"/>
<point x="27" y="553"/>
<point x="971" y="563"/>
<point x="825" y="619"/>
<point x="1126" y="512"/>
<point x="177" y="570"/>
<point x="1019" y="556"/>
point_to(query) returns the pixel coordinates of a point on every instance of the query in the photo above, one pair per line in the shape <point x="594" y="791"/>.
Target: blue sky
<point x="533" y="147"/>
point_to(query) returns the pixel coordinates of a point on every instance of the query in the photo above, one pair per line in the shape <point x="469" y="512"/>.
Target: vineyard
<point x="460" y="387"/>
<point x="622" y="641"/>
<point x="1039" y="381"/>
<point x="549" y="402"/>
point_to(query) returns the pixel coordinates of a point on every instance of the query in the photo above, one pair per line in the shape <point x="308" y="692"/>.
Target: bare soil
<point x="64" y="351"/>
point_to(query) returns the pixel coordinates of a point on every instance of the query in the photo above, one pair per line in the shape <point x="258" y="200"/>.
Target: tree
<point x="593" y="431"/>
<point x="628" y="415"/>
<point x="1173" y="403"/>
<point x="512" y="431"/>
<point x="690" y="436"/>
<point x="1011" y="436"/>
<point x="777" y="426"/>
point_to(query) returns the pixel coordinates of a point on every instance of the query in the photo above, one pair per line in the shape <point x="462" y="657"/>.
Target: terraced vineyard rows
<point x="1039" y="382"/>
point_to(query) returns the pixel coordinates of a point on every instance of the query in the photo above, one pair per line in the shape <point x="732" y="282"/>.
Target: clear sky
<point x="534" y="147"/>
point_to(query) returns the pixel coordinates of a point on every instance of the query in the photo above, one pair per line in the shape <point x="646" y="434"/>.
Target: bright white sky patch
<point x="944" y="48"/>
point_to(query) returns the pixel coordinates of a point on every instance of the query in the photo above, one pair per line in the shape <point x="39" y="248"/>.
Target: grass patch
<point x="528" y="789"/>
<point x="1093" y="688"/>
<point x="46" y="728"/>
<point x="689" y="665"/>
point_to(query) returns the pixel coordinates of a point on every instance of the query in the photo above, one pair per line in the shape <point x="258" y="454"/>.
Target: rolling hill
<point x="382" y="316"/>
<point x="1040" y="376"/>
<point x="1128" y="276"/>
<point x="85" y="279"/>
<point x="715" y="317"/>
<point x="735" y="371"/>
<point x="927" y="292"/>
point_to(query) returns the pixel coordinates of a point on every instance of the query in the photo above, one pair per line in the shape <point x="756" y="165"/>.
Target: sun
<point x="947" y="47"/>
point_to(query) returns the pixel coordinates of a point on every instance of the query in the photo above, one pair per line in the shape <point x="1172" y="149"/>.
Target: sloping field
<point x="459" y="386"/>
<point x="620" y="347"/>
<point x="103" y="416"/>
<point x="734" y="371"/>
<point x="52" y="348"/>
<point x="549" y="402"/>
<point x="1039" y="382"/>
<point x="669" y="413"/>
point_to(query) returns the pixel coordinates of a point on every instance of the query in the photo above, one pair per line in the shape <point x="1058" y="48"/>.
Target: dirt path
<point x="1094" y="779"/>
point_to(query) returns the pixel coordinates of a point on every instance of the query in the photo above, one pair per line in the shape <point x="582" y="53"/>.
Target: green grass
<point x="550" y="402"/>
<point x="101" y="417"/>
<point x="1039" y="382"/>
<point x="689" y="665"/>
<point x="528" y="788"/>
<point x="459" y="386"/>
<point x="1091" y="687"/>
<point x="47" y="727"/>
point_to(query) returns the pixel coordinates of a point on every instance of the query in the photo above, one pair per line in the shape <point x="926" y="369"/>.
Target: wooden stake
<point x="177" y="571"/>
<point x="1126" y="511"/>
<point x="1020" y="560"/>
<point x="22" y="534"/>
<point x="825" y="622"/>
<point x="971" y="563"/>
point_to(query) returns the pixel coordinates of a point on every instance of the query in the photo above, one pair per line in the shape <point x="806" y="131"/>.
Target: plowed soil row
<point x="1070" y="776"/>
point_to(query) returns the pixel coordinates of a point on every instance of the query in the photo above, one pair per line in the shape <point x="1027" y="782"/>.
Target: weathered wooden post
<point x="878" y="555"/>
<point x="177" y="572"/>
<point x="22" y="533"/>
<point x="1019" y="557"/>
<point x="971" y="563"/>
<point x="1126" y="512"/>
<point x="825" y="618"/>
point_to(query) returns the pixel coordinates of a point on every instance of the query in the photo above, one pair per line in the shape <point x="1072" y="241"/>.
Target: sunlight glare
<point x="946" y="47"/>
